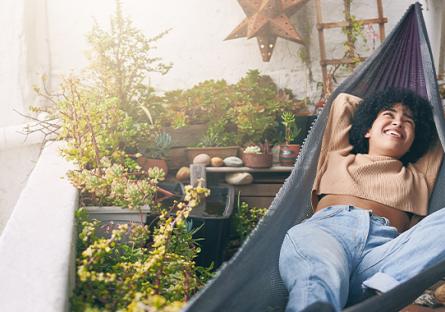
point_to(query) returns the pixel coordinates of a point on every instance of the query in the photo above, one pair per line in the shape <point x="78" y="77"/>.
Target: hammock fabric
<point x="250" y="281"/>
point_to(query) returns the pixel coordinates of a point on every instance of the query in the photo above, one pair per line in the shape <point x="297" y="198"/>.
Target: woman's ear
<point x="367" y="135"/>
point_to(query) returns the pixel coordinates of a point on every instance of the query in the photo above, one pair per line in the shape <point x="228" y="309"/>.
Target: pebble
<point x="217" y="162"/>
<point x="201" y="159"/>
<point x="239" y="178"/>
<point x="233" y="161"/>
<point x="183" y="174"/>
<point x="439" y="294"/>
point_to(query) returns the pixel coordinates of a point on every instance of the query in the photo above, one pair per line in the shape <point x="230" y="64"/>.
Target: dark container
<point x="214" y="225"/>
<point x="212" y="221"/>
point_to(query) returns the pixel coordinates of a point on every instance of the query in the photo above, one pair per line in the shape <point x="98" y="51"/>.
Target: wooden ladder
<point x="321" y="26"/>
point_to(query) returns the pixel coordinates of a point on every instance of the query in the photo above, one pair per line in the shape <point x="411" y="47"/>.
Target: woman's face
<point x="392" y="132"/>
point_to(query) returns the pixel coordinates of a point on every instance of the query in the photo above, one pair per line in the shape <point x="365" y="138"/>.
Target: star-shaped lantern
<point x="267" y="20"/>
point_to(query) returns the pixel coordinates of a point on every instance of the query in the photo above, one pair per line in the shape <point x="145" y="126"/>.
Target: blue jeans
<point x="341" y="251"/>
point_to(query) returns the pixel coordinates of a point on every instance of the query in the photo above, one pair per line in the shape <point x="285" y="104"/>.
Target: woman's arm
<point x="336" y="134"/>
<point x="429" y="164"/>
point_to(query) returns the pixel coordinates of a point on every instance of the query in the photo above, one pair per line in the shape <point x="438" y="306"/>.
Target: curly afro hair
<point x="370" y="107"/>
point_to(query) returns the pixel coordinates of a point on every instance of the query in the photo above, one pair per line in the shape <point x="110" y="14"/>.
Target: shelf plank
<point x="247" y="169"/>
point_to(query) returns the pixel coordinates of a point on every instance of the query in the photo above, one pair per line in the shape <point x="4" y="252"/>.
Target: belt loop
<point x="350" y="207"/>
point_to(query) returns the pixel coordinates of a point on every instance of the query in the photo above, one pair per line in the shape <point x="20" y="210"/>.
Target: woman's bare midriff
<point x="399" y="219"/>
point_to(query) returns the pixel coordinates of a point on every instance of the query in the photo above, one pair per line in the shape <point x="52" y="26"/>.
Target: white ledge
<point x="37" y="244"/>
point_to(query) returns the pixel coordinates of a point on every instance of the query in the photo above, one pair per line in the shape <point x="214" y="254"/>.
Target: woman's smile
<point x="392" y="132"/>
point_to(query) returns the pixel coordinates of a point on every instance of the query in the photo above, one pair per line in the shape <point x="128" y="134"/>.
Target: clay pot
<point x="253" y="160"/>
<point x="288" y="154"/>
<point x="147" y="163"/>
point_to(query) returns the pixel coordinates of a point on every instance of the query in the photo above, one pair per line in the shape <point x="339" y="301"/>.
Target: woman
<point x="378" y="163"/>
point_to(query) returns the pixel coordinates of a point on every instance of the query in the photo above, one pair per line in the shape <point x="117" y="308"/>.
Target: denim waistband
<point x="380" y="219"/>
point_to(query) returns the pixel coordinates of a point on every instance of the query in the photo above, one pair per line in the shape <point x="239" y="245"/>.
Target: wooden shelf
<point x="260" y="193"/>
<point x="247" y="169"/>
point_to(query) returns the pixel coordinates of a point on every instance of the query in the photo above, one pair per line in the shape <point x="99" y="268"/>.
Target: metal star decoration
<point x="267" y="20"/>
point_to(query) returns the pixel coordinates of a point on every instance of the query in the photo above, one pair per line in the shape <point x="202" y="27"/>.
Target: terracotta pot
<point x="222" y="152"/>
<point x="147" y="163"/>
<point x="288" y="154"/>
<point x="253" y="160"/>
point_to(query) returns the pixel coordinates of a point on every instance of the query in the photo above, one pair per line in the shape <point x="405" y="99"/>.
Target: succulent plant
<point x="291" y="131"/>
<point x="253" y="149"/>
<point x="161" y="146"/>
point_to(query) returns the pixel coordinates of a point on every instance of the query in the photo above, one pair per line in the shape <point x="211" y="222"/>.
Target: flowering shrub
<point x="115" y="184"/>
<point x="127" y="273"/>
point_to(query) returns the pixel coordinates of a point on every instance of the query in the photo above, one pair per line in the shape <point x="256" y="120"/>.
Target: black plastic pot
<point x="214" y="225"/>
<point x="212" y="221"/>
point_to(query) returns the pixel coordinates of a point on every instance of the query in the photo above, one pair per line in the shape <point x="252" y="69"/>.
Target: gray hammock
<point x="250" y="281"/>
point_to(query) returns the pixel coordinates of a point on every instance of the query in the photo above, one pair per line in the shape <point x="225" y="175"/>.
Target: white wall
<point x="195" y="44"/>
<point x="48" y="37"/>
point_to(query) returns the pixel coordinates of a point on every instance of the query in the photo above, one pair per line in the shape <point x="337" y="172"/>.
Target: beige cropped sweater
<point x="381" y="179"/>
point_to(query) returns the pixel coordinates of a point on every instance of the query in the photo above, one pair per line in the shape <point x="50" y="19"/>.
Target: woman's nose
<point x="396" y="122"/>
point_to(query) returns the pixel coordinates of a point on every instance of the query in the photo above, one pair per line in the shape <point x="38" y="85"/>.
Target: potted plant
<point x="257" y="156"/>
<point x="289" y="152"/>
<point x="156" y="155"/>
<point x="211" y="144"/>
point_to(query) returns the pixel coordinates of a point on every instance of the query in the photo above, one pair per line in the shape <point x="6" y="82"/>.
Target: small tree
<point x="121" y="60"/>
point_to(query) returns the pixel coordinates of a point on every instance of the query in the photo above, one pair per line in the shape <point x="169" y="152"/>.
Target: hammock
<point x="250" y="281"/>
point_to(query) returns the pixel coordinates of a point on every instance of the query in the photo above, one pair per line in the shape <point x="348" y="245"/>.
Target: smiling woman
<point x="414" y="107"/>
<point x="378" y="162"/>
<point x="392" y="133"/>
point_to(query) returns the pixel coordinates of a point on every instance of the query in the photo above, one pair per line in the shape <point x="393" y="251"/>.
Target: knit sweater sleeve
<point x="429" y="164"/>
<point x="336" y="134"/>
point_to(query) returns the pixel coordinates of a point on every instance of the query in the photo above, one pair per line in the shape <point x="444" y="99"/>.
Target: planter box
<point x="125" y="215"/>
<point x="111" y="217"/>
<point x="222" y="152"/>
<point x="118" y="214"/>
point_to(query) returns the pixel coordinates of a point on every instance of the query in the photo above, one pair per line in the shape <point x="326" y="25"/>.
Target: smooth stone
<point x="239" y="178"/>
<point x="439" y="294"/>
<point x="233" y="161"/>
<point x="183" y="174"/>
<point x="201" y="159"/>
<point x="217" y="162"/>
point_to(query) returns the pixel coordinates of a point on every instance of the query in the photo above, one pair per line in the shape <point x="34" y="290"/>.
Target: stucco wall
<point x="195" y="44"/>
<point x="48" y="37"/>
